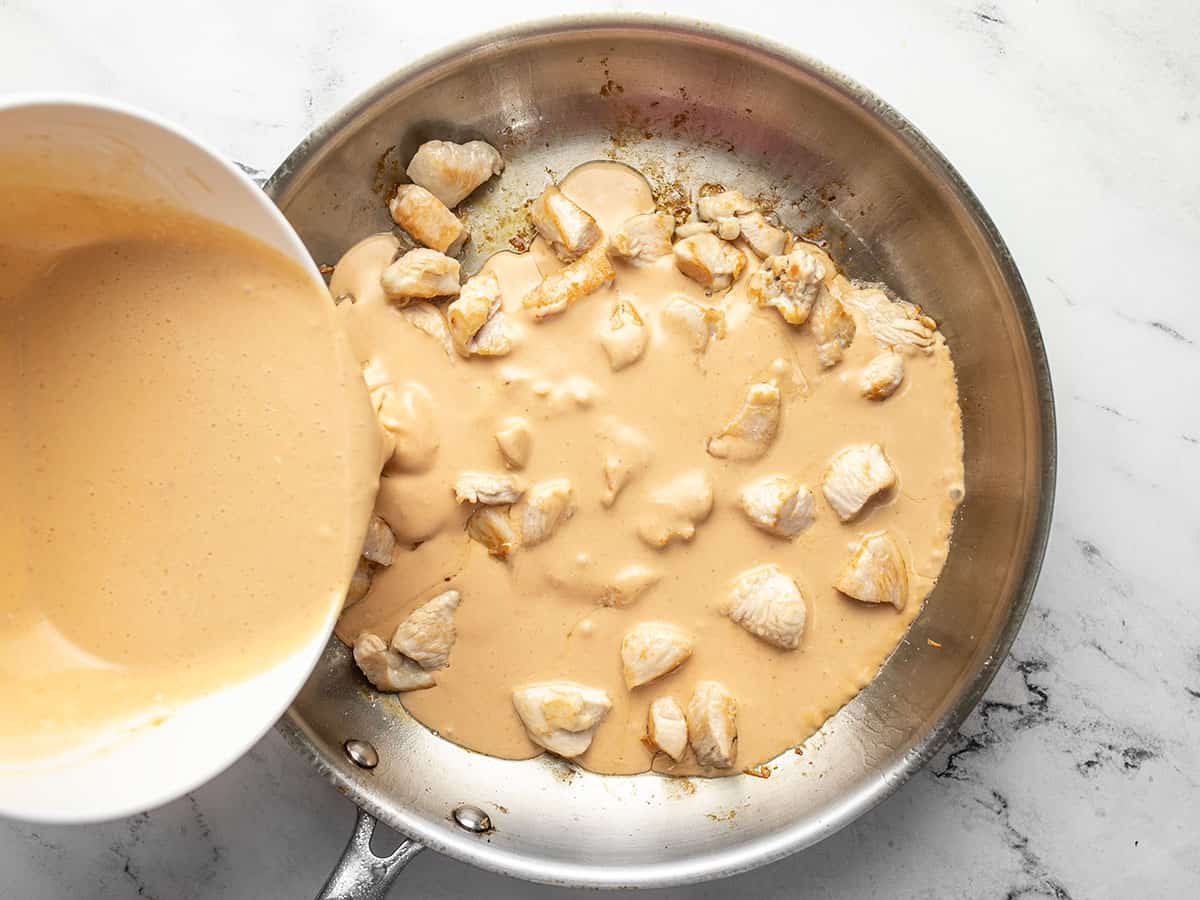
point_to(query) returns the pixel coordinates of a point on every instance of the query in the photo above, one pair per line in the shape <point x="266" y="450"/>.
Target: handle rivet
<point x="361" y="753"/>
<point x="472" y="819"/>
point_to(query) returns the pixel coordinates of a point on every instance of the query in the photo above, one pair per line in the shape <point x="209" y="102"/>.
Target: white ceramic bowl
<point x="101" y="146"/>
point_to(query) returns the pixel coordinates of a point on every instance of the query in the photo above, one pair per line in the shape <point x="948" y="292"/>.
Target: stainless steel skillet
<point x="688" y="103"/>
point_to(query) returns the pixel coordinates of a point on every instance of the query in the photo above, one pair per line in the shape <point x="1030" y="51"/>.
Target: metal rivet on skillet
<point x="361" y="753"/>
<point x="472" y="819"/>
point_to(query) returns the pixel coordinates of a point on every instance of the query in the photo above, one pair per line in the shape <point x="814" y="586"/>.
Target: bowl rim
<point x="324" y="138"/>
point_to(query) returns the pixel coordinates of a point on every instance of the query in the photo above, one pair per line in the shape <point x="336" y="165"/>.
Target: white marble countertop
<point x="1080" y="130"/>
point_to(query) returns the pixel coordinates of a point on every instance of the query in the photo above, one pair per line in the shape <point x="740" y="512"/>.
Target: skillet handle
<point x="360" y="874"/>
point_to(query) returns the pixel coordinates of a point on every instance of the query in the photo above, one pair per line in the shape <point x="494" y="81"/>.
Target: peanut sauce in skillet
<point x="540" y="615"/>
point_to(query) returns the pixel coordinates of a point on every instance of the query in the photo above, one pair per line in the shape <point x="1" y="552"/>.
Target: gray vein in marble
<point x="258" y="176"/>
<point x="1040" y="883"/>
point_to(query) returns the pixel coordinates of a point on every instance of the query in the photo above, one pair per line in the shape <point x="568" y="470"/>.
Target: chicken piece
<point x="778" y="504"/>
<point x="724" y="205"/>
<point x="452" y="171"/>
<point x="882" y="376"/>
<point x="876" y="572"/>
<point x="677" y="508"/>
<point x="493" y="339"/>
<point x="420" y="274"/>
<point x="833" y="328"/>
<point x="627" y="453"/>
<point x="379" y="546"/>
<point x="387" y="669"/>
<point x="476" y="321"/>
<point x="628" y="586"/>
<point x="487" y="489"/>
<point x="478" y="300"/>
<point x="644" y="239"/>
<point x="667" y="728"/>
<point x="407" y="415"/>
<point x="690" y="229"/>
<point x="427" y="219"/>
<point x="426" y="317"/>
<point x="586" y="275"/>
<point x="650" y="650"/>
<point x="789" y="284"/>
<point x="750" y="433"/>
<point x="763" y="238"/>
<point x="492" y="527"/>
<point x="427" y="635"/>
<point x="546" y="506"/>
<point x="624" y="340"/>
<point x="360" y="583"/>
<point x="712" y="725"/>
<point x="728" y="228"/>
<point x="694" y="323"/>
<point x="561" y="716"/>
<point x="894" y="324"/>
<point x="709" y="261"/>
<point x="767" y="603"/>
<point x="565" y="226"/>
<point x="515" y="441"/>
<point x="855" y="475"/>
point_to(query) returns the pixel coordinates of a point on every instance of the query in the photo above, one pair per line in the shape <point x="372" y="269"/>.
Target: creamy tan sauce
<point x="185" y="464"/>
<point x="537" y="617"/>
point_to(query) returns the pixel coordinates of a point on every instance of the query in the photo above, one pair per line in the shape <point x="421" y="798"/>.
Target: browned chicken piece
<point x="546" y="506"/>
<point x="728" y="228"/>
<point x="789" y="284"/>
<point x="426" y="317"/>
<point x="488" y="489"/>
<point x="628" y="585"/>
<point x="627" y="452"/>
<point x="712" y="725"/>
<point x="676" y="508"/>
<point x="492" y="527"/>
<point x="882" y="376"/>
<point x="666" y="727"/>
<point x="386" y="669"/>
<point x="644" y="239"/>
<point x="724" y="205"/>
<point x="833" y="328"/>
<point x="476" y="320"/>
<point x="586" y="275"/>
<point x="751" y="432"/>
<point x="709" y="261"/>
<point x="419" y="275"/>
<point x="379" y="546"/>
<point x="778" y="504"/>
<point x="564" y="225"/>
<point x="855" y="475"/>
<point x="768" y="604"/>
<point x="452" y="171"/>
<point x="427" y="219"/>
<point x="876" y="572"/>
<point x="696" y="324"/>
<point x="493" y="339"/>
<point x="360" y="583"/>
<point x="515" y="441"/>
<point x="763" y="238"/>
<point x="894" y="324"/>
<point x="561" y="716"/>
<point x="624" y="338"/>
<point x="407" y="415"/>
<point x="428" y="634"/>
<point x="650" y="650"/>
<point x="692" y="228"/>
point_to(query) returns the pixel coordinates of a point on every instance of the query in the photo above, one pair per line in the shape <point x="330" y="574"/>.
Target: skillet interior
<point x="691" y="103"/>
